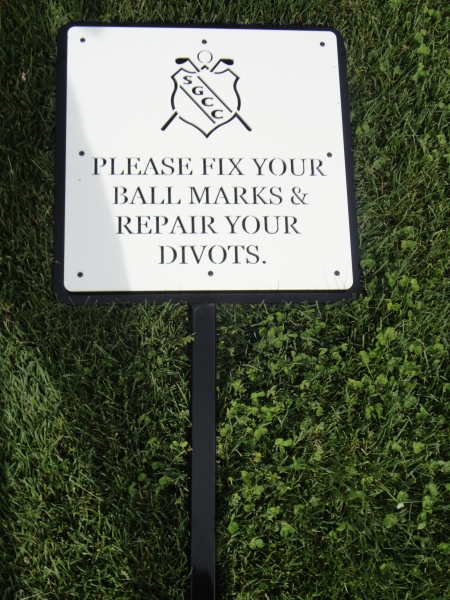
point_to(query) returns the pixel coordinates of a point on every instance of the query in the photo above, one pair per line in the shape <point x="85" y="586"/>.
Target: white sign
<point x="204" y="159"/>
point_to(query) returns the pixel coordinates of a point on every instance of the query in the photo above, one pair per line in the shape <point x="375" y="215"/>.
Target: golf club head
<point x="181" y="61"/>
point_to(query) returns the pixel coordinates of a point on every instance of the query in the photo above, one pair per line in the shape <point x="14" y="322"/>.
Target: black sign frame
<point x="230" y="297"/>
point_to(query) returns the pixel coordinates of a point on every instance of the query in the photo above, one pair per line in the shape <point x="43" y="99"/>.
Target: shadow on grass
<point x="94" y="421"/>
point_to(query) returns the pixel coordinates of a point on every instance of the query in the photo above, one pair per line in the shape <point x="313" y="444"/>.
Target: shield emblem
<point x="205" y="98"/>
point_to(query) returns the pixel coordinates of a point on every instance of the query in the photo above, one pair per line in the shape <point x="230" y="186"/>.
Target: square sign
<point x="203" y="164"/>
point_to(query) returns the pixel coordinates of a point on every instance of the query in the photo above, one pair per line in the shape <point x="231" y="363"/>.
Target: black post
<point x="203" y="477"/>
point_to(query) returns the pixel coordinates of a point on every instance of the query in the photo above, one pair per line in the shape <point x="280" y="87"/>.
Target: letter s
<point x="187" y="79"/>
<point x="250" y="262"/>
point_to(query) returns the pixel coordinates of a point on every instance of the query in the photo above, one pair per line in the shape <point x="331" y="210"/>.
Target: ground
<point x="333" y="432"/>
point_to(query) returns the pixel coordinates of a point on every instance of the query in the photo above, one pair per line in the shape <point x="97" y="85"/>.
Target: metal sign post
<point x="205" y="165"/>
<point x="203" y="473"/>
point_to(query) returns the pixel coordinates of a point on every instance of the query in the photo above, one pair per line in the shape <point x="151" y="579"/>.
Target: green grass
<point x="333" y="431"/>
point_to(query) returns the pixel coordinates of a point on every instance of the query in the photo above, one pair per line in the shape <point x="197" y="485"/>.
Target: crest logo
<point x="205" y="97"/>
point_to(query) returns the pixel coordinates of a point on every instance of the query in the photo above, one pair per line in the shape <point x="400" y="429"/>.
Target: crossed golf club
<point x="226" y="61"/>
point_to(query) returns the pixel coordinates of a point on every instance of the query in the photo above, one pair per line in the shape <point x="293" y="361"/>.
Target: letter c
<point x="204" y="101"/>
<point x="214" y="115"/>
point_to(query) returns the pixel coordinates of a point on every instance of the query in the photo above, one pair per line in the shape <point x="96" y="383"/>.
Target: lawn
<point x="333" y="455"/>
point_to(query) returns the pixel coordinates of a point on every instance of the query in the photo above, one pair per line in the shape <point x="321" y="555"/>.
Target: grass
<point x="333" y="430"/>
